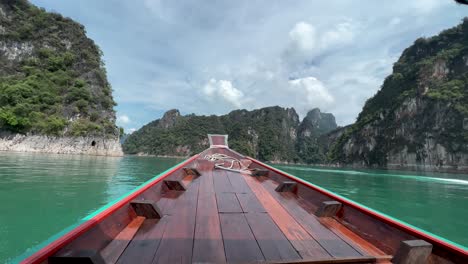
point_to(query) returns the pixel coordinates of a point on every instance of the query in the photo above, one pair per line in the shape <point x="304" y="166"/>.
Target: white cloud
<point x="123" y="119"/>
<point x="342" y="34"/>
<point x="232" y="54"/>
<point x="224" y="90"/>
<point x="302" y="36"/>
<point x="306" y="41"/>
<point x="312" y="93"/>
<point x="131" y="130"/>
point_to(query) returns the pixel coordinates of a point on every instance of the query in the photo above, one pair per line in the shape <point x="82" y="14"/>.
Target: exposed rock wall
<point x="61" y="145"/>
<point x="418" y="118"/>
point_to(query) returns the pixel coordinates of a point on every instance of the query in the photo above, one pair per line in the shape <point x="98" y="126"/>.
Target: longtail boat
<point x="220" y="206"/>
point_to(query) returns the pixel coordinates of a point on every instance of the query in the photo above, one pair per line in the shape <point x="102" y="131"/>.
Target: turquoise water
<point x="43" y="194"/>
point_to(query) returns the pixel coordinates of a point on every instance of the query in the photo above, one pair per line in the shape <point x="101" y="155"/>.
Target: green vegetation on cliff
<point x="269" y="134"/>
<point x="52" y="78"/>
<point x="420" y="109"/>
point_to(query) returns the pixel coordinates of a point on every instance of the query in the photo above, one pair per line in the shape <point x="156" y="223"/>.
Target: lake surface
<point x="42" y="194"/>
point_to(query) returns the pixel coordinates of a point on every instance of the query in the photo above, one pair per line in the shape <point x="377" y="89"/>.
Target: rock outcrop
<point x="418" y="118"/>
<point x="53" y="83"/>
<point x="270" y="133"/>
<point x="61" y="145"/>
<point x="310" y="144"/>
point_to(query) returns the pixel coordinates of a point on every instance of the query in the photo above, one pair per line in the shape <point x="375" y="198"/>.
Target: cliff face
<point x="419" y="118"/>
<point x="310" y="141"/>
<point x="52" y="81"/>
<point x="269" y="133"/>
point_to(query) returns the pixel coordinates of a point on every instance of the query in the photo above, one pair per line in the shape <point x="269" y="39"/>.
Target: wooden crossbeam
<point x="412" y="252"/>
<point x="146" y="208"/>
<point x="287" y="186"/>
<point x="328" y="209"/>
<point x="175" y="185"/>
<point x="191" y="171"/>
<point x="259" y="172"/>
<point x="79" y="256"/>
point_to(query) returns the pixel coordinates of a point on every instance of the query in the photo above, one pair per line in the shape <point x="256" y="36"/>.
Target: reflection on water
<point x="435" y="202"/>
<point x="41" y="193"/>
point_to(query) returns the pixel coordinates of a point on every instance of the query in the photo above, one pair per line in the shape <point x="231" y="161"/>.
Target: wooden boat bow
<point x="197" y="212"/>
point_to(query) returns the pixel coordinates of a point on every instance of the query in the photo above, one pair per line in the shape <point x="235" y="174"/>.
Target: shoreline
<point x="394" y="167"/>
<point x="89" y="145"/>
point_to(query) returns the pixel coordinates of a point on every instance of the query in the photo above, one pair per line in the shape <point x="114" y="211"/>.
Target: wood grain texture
<point x="221" y="182"/>
<point x="250" y="203"/>
<point x="272" y="242"/>
<point x="332" y="243"/>
<point x="208" y="244"/>
<point x="112" y="252"/>
<point x="302" y="241"/>
<point x="177" y="242"/>
<point x="358" y="243"/>
<point x="237" y="182"/>
<point x="100" y="235"/>
<point x="228" y="203"/>
<point x="146" y="242"/>
<point x="239" y="242"/>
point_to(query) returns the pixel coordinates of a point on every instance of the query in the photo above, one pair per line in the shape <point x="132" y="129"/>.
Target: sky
<point x="211" y="57"/>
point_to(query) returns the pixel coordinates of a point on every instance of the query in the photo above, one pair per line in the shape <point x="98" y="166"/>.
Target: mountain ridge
<point x="269" y="133"/>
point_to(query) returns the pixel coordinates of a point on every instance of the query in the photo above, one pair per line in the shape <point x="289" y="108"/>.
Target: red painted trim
<point x="54" y="246"/>
<point x="374" y="214"/>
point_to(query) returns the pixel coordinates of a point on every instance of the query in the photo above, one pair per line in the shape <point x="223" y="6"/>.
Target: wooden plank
<point x="146" y="242"/>
<point x="100" y="235"/>
<point x="272" y="242"/>
<point x="177" y="242"/>
<point x="346" y="260"/>
<point x="299" y="238"/>
<point x="238" y="183"/>
<point x="239" y="242"/>
<point x="208" y="244"/>
<point x="206" y="182"/>
<point x="250" y="203"/>
<point x="228" y="203"/>
<point x="358" y="243"/>
<point x="167" y="203"/>
<point x="332" y="243"/>
<point x="221" y="182"/>
<point x="115" y="248"/>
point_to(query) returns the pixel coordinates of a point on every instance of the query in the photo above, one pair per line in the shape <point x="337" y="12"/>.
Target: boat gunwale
<point x="51" y="248"/>
<point x="381" y="217"/>
<point x="100" y="214"/>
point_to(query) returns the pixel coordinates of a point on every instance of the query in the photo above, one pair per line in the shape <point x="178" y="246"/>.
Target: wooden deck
<point x="227" y="217"/>
<point x="194" y="213"/>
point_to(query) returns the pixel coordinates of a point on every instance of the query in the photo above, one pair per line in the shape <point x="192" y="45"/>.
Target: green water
<point x="43" y="194"/>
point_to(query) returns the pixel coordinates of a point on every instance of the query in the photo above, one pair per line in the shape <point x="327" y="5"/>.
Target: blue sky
<point x="210" y="57"/>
